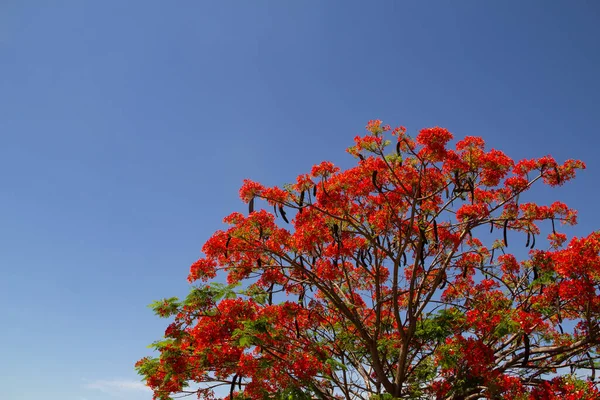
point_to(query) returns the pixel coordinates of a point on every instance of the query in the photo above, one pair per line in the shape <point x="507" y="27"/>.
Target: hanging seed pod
<point x="444" y="281"/>
<point x="232" y="388"/>
<point x="301" y="202"/>
<point x="553" y="229"/>
<point x="491" y="226"/>
<point x="505" y="228"/>
<point x="435" y="232"/>
<point x="363" y="260"/>
<point x="404" y="258"/>
<point x="532" y="240"/>
<point x="423" y="236"/>
<point x="528" y="237"/>
<point x="369" y="256"/>
<point x="398" y="148"/>
<point x="227" y="246"/>
<point x="251" y="206"/>
<point x="270" y="291"/>
<point x="374" y="180"/>
<point x="282" y="212"/>
<point x="314" y="190"/>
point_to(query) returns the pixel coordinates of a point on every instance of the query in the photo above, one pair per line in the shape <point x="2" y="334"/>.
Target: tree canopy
<point x="419" y="273"/>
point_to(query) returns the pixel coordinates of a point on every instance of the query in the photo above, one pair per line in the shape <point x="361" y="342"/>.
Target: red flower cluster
<point x="394" y="278"/>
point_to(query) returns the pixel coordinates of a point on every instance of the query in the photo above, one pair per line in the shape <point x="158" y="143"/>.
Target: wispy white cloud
<point x="117" y="387"/>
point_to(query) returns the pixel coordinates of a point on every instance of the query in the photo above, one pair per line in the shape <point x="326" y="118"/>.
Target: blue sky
<point x="126" y="129"/>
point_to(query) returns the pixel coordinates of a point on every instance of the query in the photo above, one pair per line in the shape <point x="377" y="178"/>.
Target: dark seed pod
<point x="553" y="229"/>
<point x="362" y="259"/>
<point x="251" y="206"/>
<point x="435" y="232"/>
<point x="362" y="158"/>
<point x="282" y="212"/>
<point x="336" y="231"/>
<point x="301" y="198"/>
<point x="270" y="290"/>
<point x="535" y="273"/>
<point x="398" y="148"/>
<point x="374" y="180"/>
<point x="505" y="227"/>
<point x="532" y="241"/>
<point x="232" y="388"/>
<point x="491" y="226"/>
<point x="314" y="190"/>
<point x="423" y="237"/>
<point x="528" y="238"/>
<point x="369" y="257"/>
<point x="404" y="258"/>
<point x="227" y="245"/>
<point x="259" y="262"/>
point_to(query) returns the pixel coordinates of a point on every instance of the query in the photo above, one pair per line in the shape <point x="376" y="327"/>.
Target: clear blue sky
<point x="126" y="128"/>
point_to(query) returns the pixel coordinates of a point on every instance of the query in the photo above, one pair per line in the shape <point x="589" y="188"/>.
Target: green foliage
<point x="506" y="326"/>
<point x="438" y="327"/>
<point x="248" y="335"/>
<point x="165" y="307"/>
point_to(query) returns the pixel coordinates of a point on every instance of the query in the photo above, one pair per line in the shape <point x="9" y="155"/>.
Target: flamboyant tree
<point x="393" y="279"/>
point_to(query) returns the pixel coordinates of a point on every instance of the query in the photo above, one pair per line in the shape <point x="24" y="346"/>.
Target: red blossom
<point x="404" y="274"/>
